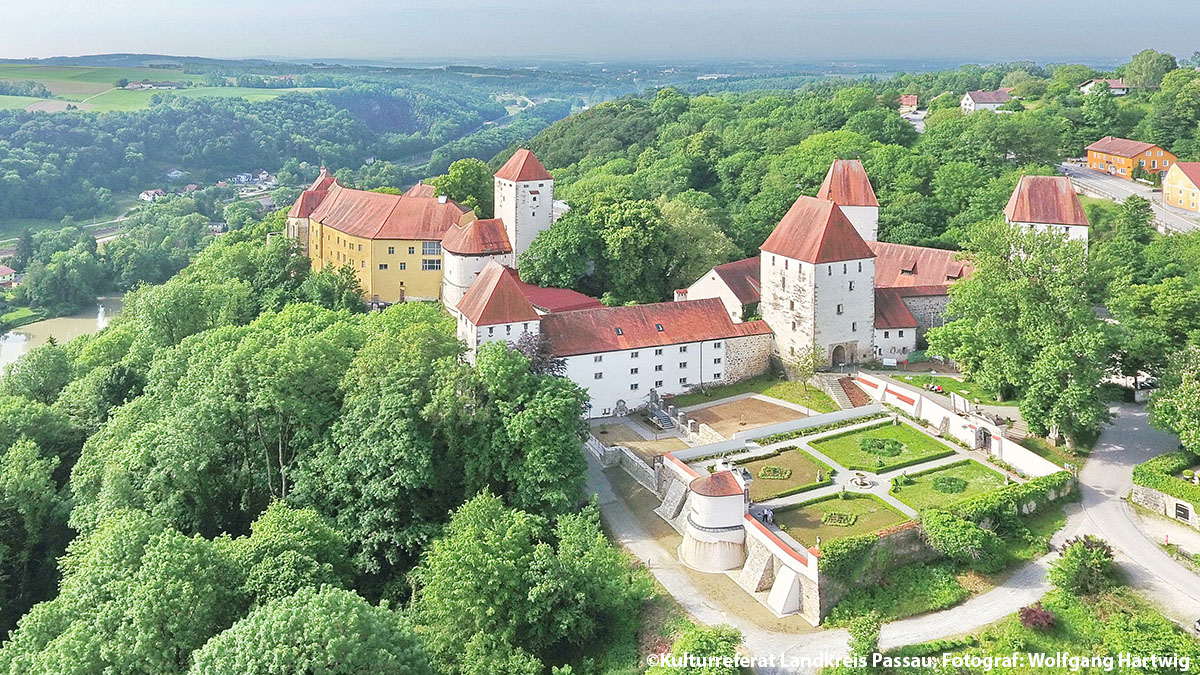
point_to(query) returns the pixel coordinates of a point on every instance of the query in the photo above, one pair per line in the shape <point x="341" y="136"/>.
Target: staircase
<point x="830" y="383"/>
<point x="857" y="396"/>
<point x="663" y="420"/>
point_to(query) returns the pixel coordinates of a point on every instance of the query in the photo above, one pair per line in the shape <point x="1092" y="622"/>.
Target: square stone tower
<point x="524" y="200"/>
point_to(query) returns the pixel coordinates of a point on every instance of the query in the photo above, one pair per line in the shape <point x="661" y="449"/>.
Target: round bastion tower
<point x="715" y="538"/>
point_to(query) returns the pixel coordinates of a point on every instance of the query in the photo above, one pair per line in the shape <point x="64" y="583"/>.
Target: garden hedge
<point x="999" y="507"/>
<point x="825" y="469"/>
<point x="1160" y="474"/>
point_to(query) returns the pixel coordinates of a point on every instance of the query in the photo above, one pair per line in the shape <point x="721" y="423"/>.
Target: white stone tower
<point x="846" y="184"/>
<point x="467" y="248"/>
<point x="818" y="284"/>
<point x="524" y="200"/>
<point x="715" y="538"/>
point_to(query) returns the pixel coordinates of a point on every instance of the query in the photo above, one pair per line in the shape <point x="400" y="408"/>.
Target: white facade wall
<point x="460" y="271"/>
<point x="968" y="105"/>
<point x="475" y="336"/>
<point x="726" y="511"/>
<point x="297" y="228"/>
<point x="787" y="302"/>
<point x="845" y="308"/>
<point x="524" y="214"/>
<point x="895" y="343"/>
<point x="865" y="220"/>
<point x="1072" y="232"/>
<point x="677" y="367"/>
<point x="712" y="286"/>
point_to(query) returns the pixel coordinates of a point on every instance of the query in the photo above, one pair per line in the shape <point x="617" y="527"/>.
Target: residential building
<point x="735" y="284"/>
<point x="1181" y="186"/>
<point x="152" y="195"/>
<point x="908" y="103"/>
<point x="895" y="326"/>
<point x="1122" y="156"/>
<point x="984" y="100"/>
<point x="1048" y="204"/>
<point x="7" y="275"/>
<point x="1115" y="87"/>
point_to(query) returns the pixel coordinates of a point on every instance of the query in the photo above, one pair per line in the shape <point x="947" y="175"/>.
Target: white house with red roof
<point x="984" y="100"/>
<point x="1048" y="204"/>
<point x="735" y="284"/>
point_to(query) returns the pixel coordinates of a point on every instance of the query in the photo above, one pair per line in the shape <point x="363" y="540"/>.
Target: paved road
<point x="1105" y="481"/>
<point x="1117" y="189"/>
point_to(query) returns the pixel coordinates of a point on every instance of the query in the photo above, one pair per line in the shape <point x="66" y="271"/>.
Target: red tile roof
<point x="997" y="96"/>
<point x="523" y="166"/>
<point x="606" y="329"/>
<point x="495" y="297"/>
<point x="5" y="270"/>
<point x="1045" y="199"/>
<point x="916" y="269"/>
<point x="908" y="99"/>
<point x="1121" y="147"/>
<point x="890" y="310"/>
<point x="375" y="215"/>
<point x="816" y="231"/>
<point x="742" y="278"/>
<point x="846" y="184"/>
<point x="421" y="190"/>
<point x="719" y="484"/>
<point x="1191" y="170"/>
<point x="550" y="300"/>
<point x="477" y="237"/>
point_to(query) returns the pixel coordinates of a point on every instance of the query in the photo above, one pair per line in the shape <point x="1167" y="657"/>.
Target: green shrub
<point x="907" y="591"/>
<point x="948" y="484"/>
<point x="997" y="510"/>
<point x="772" y="472"/>
<point x="812" y="431"/>
<point x="1160" y="474"/>
<point x="962" y="540"/>
<point x="1086" y="566"/>
<point x="885" y="447"/>
<point x="845" y="559"/>
<point x="838" y="519"/>
<point x="864" y="634"/>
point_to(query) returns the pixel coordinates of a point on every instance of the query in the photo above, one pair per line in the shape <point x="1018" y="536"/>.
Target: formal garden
<point x="845" y="514"/>
<point x="937" y="487"/>
<point x="881" y="448"/>
<point x="787" y="471"/>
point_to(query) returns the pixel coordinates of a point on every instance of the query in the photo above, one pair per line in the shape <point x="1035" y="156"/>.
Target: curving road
<point x="1104" y="482"/>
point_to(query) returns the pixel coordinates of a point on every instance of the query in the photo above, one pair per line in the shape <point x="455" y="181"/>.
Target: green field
<point x="844" y="448"/>
<point x="921" y="495"/>
<point x="972" y="391"/>
<point x="17" y="102"/>
<point x="804" y="523"/>
<point x="75" y="83"/>
<point x="792" y="392"/>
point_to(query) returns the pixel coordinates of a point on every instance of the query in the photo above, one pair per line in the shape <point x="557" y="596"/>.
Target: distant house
<point x="174" y="174"/>
<point x="1181" y="186"/>
<point x="191" y="187"/>
<point x="7" y="275"/>
<point x="1121" y="156"/>
<point x="1115" y="87"/>
<point x="151" y="195"/>
<point x="983" y="100"/>
<point x="908" y="103"/>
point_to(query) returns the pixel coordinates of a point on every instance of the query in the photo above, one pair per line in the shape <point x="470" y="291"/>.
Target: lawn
<point x="803" y="476"/>
<point x="804" y="522"/>
<point x="17" y="102"/>
<point x="916" y="447"/>
<point x="1060" y="455"/>
<point x="973" y="477"/>
<point x="19" y="317"/>
<point x="792" y="392"/>
<point x="972" y="391"/>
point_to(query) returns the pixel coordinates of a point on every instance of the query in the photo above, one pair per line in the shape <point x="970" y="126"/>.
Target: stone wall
<point x="928" y="310"/>
<point x="893" y="548"/>
<point x="1165" y="504"/>
<point x="747" y="356"/>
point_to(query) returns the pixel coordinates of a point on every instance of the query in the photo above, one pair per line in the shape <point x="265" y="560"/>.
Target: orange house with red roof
<point x="1122" y="156"/>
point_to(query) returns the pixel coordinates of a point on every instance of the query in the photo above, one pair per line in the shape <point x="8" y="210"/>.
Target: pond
<point x="17" y="342"/>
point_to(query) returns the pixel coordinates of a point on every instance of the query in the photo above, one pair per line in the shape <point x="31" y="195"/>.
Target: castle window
<point x="508" y="329"/>
<point x="683" y="380"/>
<point x="658" y="383"/>
<point x="885" y="334"/>
<point x="683" y="349"/>
<point x="633" y="355"/>
<point x="541" y="185"/>
<point x="851" y="284"/>
<point x="525" y="326"/>
<point x="717" y="360"/>
<point x="619" y="331"/>
<point x="839" y="309"/>
<point x="598" y="376"/>
<point x="683" y="364"/>
<point x="403" y="266"/>
<point x="431" y="248"/>
<point x="845" y="268"/>
<point x="633" y="371"/>
<point x="431" y="264"/>
<point x="363" y="265"/>
<point x="772" y="261"/>
<point x="716" y="376"/>
<point x="859" y="265"/>
<point x="658" y="352"/>
<point x="717" y="345"/>
<point x="785" y="263"/>
<point x="900" y="333"/>
<point x="658" y="368"/>
<point x="830" y="268"/>
<point x="598" y="358"/>
<point x="853" y="326"/>
<point x="633" y="387"/>
<point x="383" y="266"/>
<point x="412" y="250"/>
<point x="360" y="248"/>
<point x="391" y="250"/>
<point x="491" y="330"/>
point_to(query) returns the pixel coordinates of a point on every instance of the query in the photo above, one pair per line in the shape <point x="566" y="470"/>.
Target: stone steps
<point x="830" y="384"/>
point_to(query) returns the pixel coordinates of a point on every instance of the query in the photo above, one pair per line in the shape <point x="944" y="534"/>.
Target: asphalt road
<point x="1118" y="189"/>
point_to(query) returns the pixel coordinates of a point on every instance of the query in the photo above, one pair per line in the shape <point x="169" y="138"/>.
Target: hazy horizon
<point x="616" y="30"/>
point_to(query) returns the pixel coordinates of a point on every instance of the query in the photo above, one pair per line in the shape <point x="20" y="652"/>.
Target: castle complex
<point x="822" y="281"/>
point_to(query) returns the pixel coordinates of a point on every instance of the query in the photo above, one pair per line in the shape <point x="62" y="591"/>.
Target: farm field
<point x="17" y="102"/>
<point x="976" y="479"/>
<point x="75" y="83"/>
<point x="125" y="100"/>
<point x="916" y="446"/>
<point x="804" y="471"/>
<point x="870" y="514"/>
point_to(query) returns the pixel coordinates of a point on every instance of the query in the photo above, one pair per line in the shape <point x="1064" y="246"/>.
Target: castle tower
<point x="715" y="539"/>
<point x="524" y="200"/>
<point x="817" y="280"/>
<point x="297" y="217"/>
<point x="846" y="184"/>
<point x="467" y="247"/>
<point x="1048" y="204"/>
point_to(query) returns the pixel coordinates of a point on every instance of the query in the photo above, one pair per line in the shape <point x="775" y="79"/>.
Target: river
<point x="15" y="343"/>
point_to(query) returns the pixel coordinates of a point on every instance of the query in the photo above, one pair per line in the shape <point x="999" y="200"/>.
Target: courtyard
<point x="790" y="471"/>
<point x="743" y="414"/>
<point x="768" y="385"/>
<point x="881" y="448"/>
<point x="646" y="450"/>
<point x="836" y="517"/>
<point x="948" y="484"/>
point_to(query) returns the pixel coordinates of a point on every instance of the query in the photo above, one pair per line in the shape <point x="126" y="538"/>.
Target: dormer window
<point x="658" y="327"/>
<point x="619" y="331"/>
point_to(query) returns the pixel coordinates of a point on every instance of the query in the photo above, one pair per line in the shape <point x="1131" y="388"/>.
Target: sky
<point x="610" y="30"/>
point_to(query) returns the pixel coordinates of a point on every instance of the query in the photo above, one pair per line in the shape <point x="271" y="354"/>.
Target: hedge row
<point x="828" y="471"/>
<point x="901" y="465"/>
<point x="1161" y="473"/>
<point x="812" y="431"/>
<point x="1000" y="507"/>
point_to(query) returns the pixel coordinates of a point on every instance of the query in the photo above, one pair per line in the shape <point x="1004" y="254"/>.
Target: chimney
<point x="441" y="199"/>
<point x="680" y="294"/>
